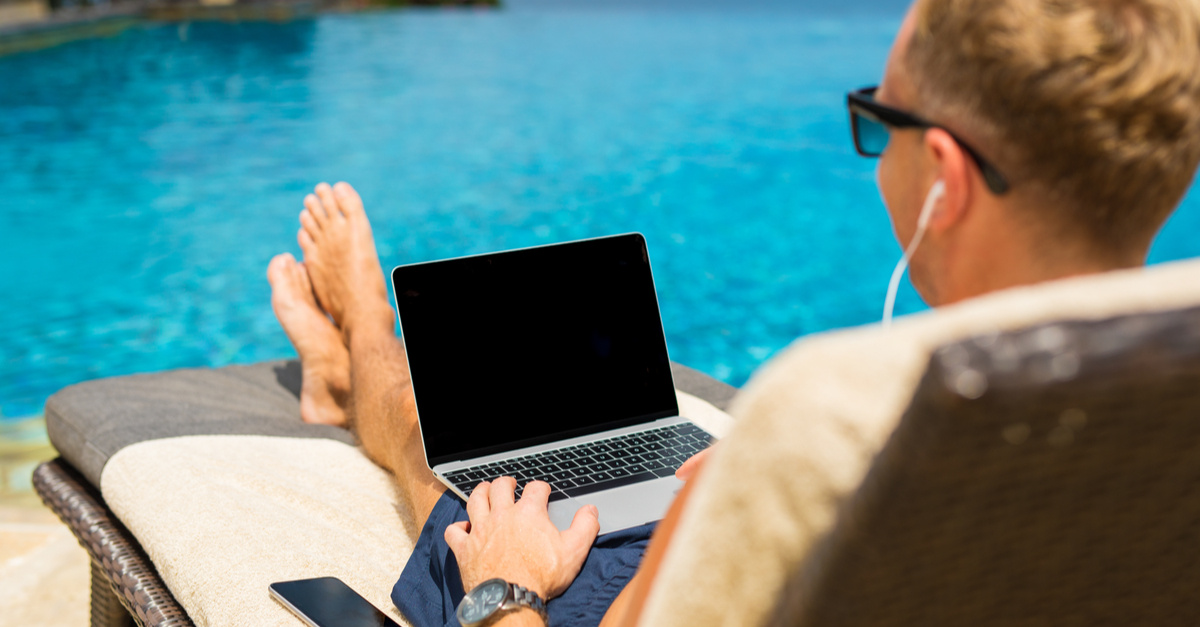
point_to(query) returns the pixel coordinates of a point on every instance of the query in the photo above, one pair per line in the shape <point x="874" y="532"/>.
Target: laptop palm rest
<point x="621" y="508"/>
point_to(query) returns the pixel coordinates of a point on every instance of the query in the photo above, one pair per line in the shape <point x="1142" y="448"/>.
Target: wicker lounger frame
<point x="126" y="589"/>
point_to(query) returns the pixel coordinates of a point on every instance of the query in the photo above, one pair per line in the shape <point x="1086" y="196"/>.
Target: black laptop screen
<point x="530" y="346"/>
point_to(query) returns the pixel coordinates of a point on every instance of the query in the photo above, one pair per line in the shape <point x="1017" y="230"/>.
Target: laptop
<point x="549" y="364"/>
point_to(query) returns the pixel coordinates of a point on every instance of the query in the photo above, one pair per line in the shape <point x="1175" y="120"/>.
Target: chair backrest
<point x="1047" y="476"/>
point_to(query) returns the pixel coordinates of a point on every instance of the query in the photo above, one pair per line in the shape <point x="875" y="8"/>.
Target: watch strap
<point x="524" y="597"/>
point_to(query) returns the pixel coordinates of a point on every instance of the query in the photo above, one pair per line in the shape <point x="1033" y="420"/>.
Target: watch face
<point x="482" y="601"/>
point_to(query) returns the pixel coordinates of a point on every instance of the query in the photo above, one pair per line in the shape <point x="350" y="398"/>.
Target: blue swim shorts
<point x="430" y="586"/>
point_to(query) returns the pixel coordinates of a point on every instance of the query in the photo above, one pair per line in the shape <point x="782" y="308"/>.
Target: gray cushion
<point x="89" y="422"/>
<point x="702" y="386"/>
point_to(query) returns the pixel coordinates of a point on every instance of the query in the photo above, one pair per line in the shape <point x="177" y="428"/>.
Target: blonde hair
<point x="1096" y="103"/>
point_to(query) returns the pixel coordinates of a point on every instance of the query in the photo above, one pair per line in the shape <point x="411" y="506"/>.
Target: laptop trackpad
<point x="621" y="508"/>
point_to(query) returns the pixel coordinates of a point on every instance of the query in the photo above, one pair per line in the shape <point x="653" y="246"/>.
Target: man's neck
<point x="1006" y="258"/>
<point x="997" y="279"/>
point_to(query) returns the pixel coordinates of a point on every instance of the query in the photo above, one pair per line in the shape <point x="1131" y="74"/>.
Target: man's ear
<point x="949" y="164"/>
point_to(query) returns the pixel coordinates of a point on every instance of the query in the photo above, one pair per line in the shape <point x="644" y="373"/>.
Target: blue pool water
<point x="148" y="178"/>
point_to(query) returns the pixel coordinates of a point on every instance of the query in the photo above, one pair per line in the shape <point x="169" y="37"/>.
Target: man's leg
<point x="383" y="414"/>
<point x="341" y="262"/>
<point x="324" y="360"/>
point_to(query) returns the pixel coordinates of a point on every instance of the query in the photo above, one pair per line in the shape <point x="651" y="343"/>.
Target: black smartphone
<point x="328" y="602"/>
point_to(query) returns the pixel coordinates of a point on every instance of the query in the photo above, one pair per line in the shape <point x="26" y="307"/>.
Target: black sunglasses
<point x="870" y="121"/>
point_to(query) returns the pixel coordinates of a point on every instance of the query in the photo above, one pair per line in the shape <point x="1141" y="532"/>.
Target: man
<point x="1021" y="141"/>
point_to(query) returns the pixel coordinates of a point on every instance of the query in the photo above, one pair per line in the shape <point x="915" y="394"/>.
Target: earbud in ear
<point x="935" y="194"/>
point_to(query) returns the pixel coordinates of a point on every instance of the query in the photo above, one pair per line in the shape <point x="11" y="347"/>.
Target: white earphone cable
<point x="889" y="303"/>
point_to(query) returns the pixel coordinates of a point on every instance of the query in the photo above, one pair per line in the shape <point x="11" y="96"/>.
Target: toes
<point x="279" y="264"/>
<point x="309" y="221"/>
<point x="302" y="276"/>
<point x="325" y="193"/>
<point x="348" y="200"/>
<point x="306" y="284"/>
<point x="306" y="243"/>
<point x="316" y="209"/>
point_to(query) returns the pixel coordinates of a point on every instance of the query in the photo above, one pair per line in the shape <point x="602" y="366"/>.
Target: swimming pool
<point x="149" y="177"/>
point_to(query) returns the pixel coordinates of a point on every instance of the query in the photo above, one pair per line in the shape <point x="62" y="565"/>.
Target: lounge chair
<point x="245" y="415"/>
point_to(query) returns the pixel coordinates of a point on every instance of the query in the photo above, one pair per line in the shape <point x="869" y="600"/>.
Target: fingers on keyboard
<point x="597" y="465"/>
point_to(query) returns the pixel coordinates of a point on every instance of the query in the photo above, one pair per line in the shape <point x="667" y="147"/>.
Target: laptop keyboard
<point x="594" y="466"/>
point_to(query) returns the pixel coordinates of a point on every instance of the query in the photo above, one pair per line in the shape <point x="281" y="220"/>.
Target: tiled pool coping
<point x="68" y="25"/>
<point x="72" y="24"/>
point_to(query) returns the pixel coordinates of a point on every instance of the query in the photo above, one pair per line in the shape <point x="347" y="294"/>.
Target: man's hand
<point x="517" y="542"/>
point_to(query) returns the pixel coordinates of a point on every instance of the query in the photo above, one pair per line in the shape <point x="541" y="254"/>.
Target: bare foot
<point x="324" y="360"/>
<point x="339" y="253"/>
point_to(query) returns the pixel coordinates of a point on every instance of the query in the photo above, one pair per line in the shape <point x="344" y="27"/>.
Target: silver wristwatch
<point x="494" y="597"/>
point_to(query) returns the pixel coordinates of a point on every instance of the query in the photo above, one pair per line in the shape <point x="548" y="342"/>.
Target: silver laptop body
<point x="548" y="363"/>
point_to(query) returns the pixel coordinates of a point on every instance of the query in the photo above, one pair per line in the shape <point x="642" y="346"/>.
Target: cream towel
<point x="810" y="423"/>
<point x="222" y="517"/>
